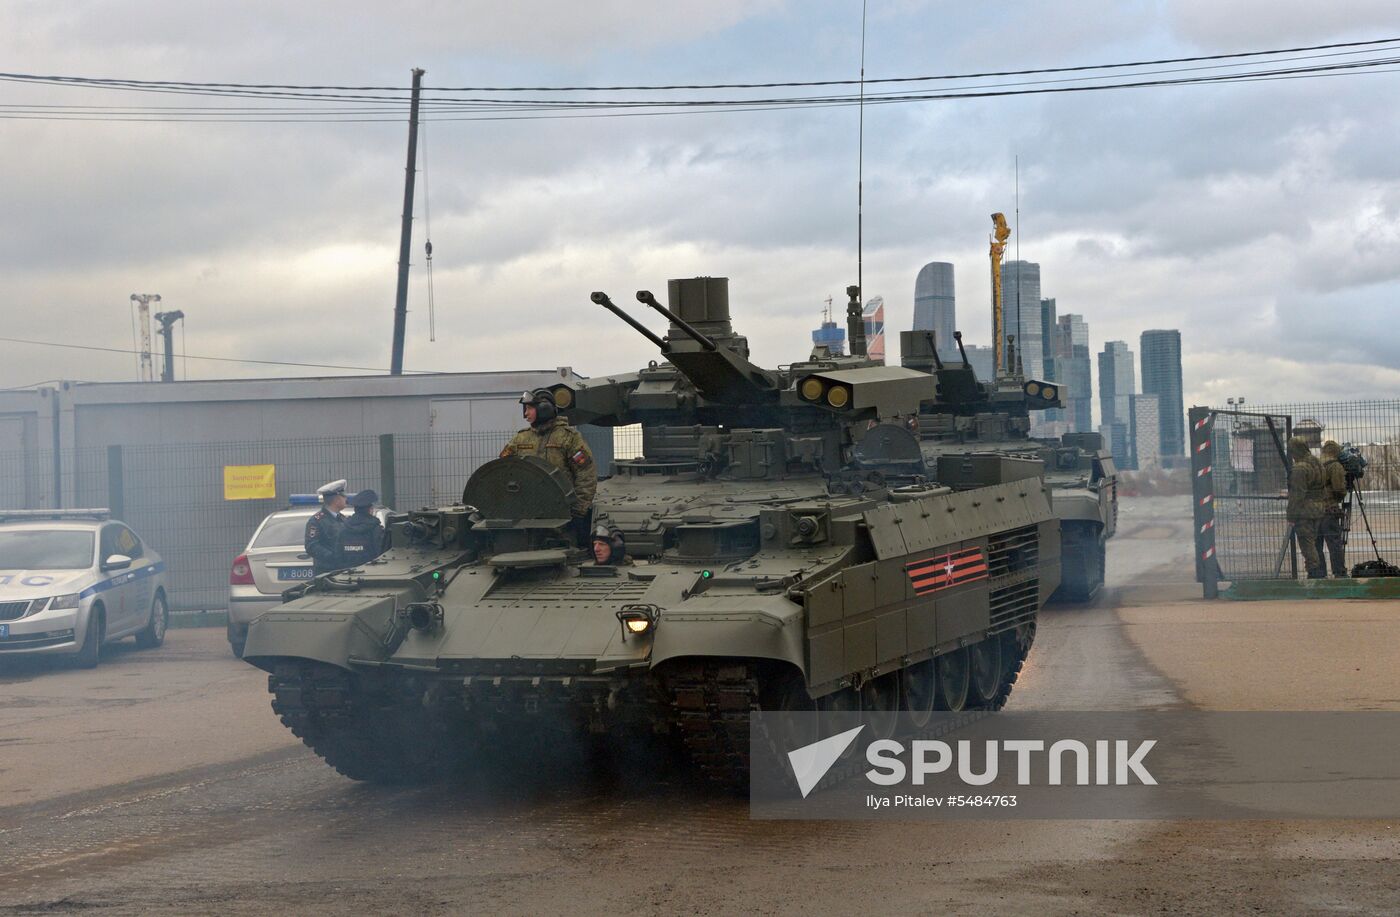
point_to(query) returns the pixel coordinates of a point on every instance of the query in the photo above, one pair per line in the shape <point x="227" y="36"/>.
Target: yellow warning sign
<point x="250" y="482"/>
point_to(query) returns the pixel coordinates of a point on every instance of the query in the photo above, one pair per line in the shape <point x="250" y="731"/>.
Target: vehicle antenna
<point x="860" y="161"/>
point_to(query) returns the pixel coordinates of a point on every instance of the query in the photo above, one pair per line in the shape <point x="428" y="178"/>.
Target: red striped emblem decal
<point x="947" y="570"/>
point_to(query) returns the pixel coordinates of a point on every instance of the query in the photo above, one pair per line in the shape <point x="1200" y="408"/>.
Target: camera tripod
<point x="1379" y="567"/>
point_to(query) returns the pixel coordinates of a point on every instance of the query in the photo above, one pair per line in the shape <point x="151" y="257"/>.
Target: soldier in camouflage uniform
<point x="1329" y="532"/>
<point x="550" y="437"/>
<point x="1307" y="503"/>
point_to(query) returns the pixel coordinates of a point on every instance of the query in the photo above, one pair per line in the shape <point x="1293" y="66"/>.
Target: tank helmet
<point x="364" y="499"/>
<point x="542" y="399"/>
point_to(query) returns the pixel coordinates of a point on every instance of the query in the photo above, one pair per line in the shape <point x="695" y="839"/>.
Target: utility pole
<point x="406" y="232"/>
<point x="143" y="306"/>
<point x="167" y="320"/>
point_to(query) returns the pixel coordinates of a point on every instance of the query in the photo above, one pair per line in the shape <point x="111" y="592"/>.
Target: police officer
<point x="1329" y="531"/>
<point x="550" y="437"/>
<point x="362" y="536"/>
<point x="1307" y="502"/>
<point x="323" y="528"/>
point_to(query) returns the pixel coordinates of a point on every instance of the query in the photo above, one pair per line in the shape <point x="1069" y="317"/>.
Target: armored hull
<point x="806" y="557"/>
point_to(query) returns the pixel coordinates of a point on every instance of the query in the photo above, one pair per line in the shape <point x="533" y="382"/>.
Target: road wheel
<point x="984" y="659"/>
<point x="91" y="653"/>
<point x="788" y="696"/>
<point x="879" y="698"/>
<point x="154" y="633"/>
<point x="919" y="684"/>
<point x="954" y="676"/>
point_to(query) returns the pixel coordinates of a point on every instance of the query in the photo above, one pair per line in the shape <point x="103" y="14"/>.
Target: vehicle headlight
<point x="64" y="601"/>
<point x="637" y="620"/>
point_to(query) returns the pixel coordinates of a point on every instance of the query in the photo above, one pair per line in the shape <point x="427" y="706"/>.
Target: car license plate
<point x="4" y="630"/>
<point x="293" y="573"/>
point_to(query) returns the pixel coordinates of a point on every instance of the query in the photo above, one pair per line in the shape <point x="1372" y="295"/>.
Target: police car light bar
<point x="30" y="514"/>
<point x="304" y="500"/>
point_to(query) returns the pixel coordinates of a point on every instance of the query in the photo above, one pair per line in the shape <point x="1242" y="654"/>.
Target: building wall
<point x="1116" y="382"/>
<point x="874" y="315"/>
<point x="1118" y="443"/>
<point x="935" y="305"/>
<point x="1161" y="376"/>
<point x="1020" y="283"/>
<point x="1143" y="426"/>
<point x="1073" y="366"/>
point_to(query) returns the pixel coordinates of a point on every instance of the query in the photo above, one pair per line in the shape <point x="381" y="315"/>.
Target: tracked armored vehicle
<point x="794" y="549"/>
<point x="971" y="416"/>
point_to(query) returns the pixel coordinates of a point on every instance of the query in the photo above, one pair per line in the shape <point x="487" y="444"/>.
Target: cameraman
<point x="1329" y="529"/>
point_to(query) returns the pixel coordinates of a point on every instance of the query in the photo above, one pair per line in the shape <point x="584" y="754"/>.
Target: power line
<point x="191" y="356"/>
<point x="390" y="104"/>
<point x="312" y="117"/>
<point x="114" y="82"/>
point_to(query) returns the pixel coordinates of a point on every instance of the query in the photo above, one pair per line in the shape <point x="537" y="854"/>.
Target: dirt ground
<point x="161" y="783"/>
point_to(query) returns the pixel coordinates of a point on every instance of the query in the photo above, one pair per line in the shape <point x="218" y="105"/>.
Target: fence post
<point x="387" y="492"/>
<point x="1203" y="500"/>
<point x="116" y="501"/>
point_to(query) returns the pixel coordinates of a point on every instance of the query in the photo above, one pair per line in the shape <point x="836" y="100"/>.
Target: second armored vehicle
<point x="973" y="417"/>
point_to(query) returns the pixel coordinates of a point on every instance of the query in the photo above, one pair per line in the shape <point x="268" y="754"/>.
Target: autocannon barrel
<point x="603" y="300"/>
<point x="644" y="296"/>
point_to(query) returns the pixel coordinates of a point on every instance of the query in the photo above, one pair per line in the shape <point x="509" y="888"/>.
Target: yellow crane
<point x="1001" y="232"/>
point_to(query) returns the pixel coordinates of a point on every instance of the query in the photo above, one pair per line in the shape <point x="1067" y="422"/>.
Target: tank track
<point x="1083" y="568"/>
<point x="710" y="702"/>
<point x="364" y="735"/>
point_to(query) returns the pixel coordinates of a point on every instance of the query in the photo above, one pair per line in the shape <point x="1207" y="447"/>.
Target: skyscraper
<point x="935" y="307"/>
<point x="1048" y="327"/>
<point x="1020" y="309"/>
<point x="1144" y="424"/>
<point x="1116" y="382"/>
<point x="1048" y="331"/>
<point x="1073" y="365"/>
<point x="875" y="328"/>
<point x="980" y="359"/>
<point x="1161" y="376"/>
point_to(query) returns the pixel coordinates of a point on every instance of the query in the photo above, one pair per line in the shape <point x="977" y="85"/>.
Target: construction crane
<point x="1001" y="232"/>
<point x="143" y="306"/>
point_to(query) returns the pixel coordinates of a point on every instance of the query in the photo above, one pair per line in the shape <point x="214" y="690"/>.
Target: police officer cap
<point x="365" y="497"/>
<point x="334" y="488"/>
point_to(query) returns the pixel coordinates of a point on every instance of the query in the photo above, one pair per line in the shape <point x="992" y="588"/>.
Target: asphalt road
<point x="161" y="783"/>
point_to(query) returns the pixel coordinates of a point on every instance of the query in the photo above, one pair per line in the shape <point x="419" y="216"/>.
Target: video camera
<point x="1352" y="462"/>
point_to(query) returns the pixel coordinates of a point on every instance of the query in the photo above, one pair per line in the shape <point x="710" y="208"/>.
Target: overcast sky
<point x="1259" y="218"/>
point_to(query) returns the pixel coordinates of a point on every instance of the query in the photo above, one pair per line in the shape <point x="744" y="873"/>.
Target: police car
<point x="274" y="560"/>
<point x="73" y="580"/>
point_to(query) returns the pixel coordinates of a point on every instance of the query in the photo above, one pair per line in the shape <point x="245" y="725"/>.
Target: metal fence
<point x="173" y="495"/>
<point x="1240" y="471"/>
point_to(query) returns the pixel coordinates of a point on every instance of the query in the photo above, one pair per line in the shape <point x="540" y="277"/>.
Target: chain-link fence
<point x="173" y="495"/>
<point x="1241" y="470"/>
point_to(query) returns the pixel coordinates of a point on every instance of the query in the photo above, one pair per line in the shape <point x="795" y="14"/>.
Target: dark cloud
<point x="1250" y="216"/>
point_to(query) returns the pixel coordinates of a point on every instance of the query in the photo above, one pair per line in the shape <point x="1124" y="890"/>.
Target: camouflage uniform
<point x="1329" y="531"/>
<point x="1307" y="503"/>
<point x="563" y="447"/>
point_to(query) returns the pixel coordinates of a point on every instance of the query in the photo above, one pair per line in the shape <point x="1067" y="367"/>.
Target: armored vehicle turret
<point x="973" y="417"/>
<point x="790" y="546"/>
